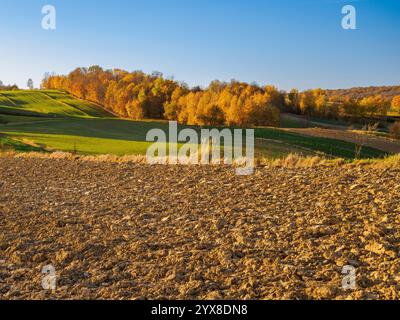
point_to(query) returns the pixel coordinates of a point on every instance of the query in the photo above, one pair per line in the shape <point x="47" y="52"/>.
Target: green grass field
<point x="7" y="143"/>
<point x="295" y="121"/>
<point x="332" y="147"/>
<point x="61" y="122"/>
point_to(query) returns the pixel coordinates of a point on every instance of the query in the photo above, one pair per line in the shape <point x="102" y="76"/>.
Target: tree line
<point x="4" y="87"/>
<point x="387" y="92"/>
<point x="324" y="104"/>
<point x="137" y="95"/>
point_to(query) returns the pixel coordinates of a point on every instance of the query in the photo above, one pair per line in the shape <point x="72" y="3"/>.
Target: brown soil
<point x="135" y="231"/>
<point x="379" y="143"/>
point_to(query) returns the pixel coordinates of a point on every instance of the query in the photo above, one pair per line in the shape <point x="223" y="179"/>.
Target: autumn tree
<point x="293" y="101"/>
<point x="321" y="105"/>
<point x="395" y="105"/>
<point x="349" y="108"/>
<point x="374" y="106"/>
<point x="213" y="115"/>
<point x="307" y="103"/>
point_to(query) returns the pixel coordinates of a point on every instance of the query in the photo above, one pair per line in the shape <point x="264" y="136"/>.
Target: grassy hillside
<point x="53" y="120"/>
<point x="47" y="103"/>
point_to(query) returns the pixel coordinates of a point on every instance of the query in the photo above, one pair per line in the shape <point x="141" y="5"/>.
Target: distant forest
<point x="138" y="95"/>
<point x="387" y="92"/>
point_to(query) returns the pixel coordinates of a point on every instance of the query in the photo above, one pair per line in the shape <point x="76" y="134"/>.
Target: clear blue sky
<point x="287" y="43"/>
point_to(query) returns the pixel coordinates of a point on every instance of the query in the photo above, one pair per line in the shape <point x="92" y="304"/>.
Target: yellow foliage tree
<point x="396" y="104"/>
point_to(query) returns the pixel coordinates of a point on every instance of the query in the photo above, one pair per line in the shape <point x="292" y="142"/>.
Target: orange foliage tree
<point x="137" y="95"/>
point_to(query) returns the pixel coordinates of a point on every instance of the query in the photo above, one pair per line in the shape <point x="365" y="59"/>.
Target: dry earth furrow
<point x="134" y="231"/>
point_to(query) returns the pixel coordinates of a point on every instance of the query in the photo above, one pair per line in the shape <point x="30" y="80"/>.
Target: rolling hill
<point x="47" y="103"/>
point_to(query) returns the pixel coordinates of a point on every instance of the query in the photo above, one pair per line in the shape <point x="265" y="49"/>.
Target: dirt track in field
<point x="379" y="143"/>
<point x="135" y="231"/>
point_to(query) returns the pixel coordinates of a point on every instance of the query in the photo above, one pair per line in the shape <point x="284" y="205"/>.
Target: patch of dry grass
<point x="390" y="162"/>
<point x="71" y="156"/>
<point x="298" y="161"/>
<point x="291" y="161"/>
